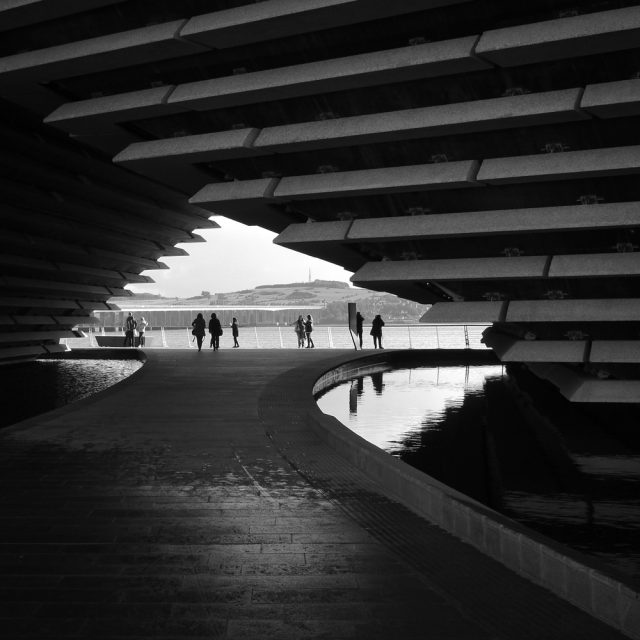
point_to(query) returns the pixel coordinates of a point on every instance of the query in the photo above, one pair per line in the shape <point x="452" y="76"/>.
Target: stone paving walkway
<point x="192" y="501"/>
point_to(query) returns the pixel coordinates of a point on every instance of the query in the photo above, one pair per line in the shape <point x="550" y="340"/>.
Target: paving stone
<point x="221" y="515"/>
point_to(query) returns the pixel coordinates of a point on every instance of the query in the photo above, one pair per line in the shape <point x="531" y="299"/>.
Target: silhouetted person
<point x="129" y="330"/>
<point x="215" y="329"/>
<point x="142" y="327"/>
<point x="235" y="332"/>
<point x="359" y="321"/>
<point x="199" y="330"/>
<point x="308" y="328"/>
<point x="299" y="329"/>
<point x="376" y="331"/>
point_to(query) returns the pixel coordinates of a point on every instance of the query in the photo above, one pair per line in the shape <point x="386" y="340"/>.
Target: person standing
<point x="199" y="330"/>
<point x="359" y="321"/>
<point x="142" y="327"/>
<point x="376" y="332"/>
<point x="234" y="331"/>
<point x="129" y="330"/>
<point x="215" y="329"/>
<point x="299" y="329"/>
<point x="308" y="328"/>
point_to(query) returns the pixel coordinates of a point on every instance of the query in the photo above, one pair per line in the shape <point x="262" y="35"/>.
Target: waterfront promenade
<point x="194" y="501"/>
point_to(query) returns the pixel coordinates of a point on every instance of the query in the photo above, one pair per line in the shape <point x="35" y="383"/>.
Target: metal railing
<point x="415" y="336"/>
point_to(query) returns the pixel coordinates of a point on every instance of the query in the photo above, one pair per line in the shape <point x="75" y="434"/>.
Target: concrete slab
<point x="280" y="18"/>
<point x="150" y="43"/>
<point x="606" y="310"/>
<point x="428" y="60"/>
<point x="454" y="269"/>
<point x="569" y="37"/>
<point x="612" y="99"/>
<point x="422" y="177"/>
<point x="194" y="499"/>
<point x="568" y="165"/>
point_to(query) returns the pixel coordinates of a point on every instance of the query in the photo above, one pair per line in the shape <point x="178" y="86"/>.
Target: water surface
<point x="557" y="470"/>
<point x="31" y="388"/>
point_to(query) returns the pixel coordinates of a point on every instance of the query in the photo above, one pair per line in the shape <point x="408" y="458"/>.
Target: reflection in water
<point x="469" y="427"/>
<point x="58" y="382"/>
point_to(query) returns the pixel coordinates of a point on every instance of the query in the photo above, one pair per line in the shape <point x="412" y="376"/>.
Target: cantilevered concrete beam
<point x="113" y="51"/>
<point x="510" y="349"/>
<point x="465" y="312"/>
<point x="423" y="177"/>
<point x="20" y="13"/>
<point x="279" y="18"/>
<point x="568" y="165"/>
<point x="462" y="269"/>
<point x="395" y="65"/>
<point x="569" y="37"/>
<point x="612" y="99"/>
<point x="609" y="310"/>
<point x="473" y="223"/>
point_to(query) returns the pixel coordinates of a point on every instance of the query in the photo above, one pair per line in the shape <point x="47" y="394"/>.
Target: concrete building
<point x="481" y="156"/>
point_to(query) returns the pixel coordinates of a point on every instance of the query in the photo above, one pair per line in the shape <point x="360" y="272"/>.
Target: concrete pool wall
<point x="578" y="578"/>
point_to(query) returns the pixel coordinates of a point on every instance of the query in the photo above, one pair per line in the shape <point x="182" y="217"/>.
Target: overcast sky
<point x="235" y="257"/>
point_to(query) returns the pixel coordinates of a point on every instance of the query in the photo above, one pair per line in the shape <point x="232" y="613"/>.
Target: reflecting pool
<point x="556" y="469"/>
<point x="31" y="388"/>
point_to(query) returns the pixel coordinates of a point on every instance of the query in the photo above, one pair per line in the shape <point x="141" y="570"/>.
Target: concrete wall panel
<point x="612" y="99"/>
<point x="462" y="269"/>
<point x="425" y="177"/>
<point x="561" y="166"/>
<point x="395" y="65"/>
<point x="562" y="38"/>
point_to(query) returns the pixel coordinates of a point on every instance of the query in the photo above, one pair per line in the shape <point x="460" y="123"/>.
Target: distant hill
<point x="329" y="284"/>
<point x="331" y="295"/>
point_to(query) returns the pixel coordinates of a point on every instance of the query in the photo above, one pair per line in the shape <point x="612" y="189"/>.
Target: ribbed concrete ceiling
<point x="481" y="155"/>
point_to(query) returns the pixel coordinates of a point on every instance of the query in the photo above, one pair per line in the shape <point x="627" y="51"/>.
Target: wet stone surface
<point x="121" y="523"/>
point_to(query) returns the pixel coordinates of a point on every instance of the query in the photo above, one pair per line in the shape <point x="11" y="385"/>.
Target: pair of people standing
<point x="376" y="330"/>
<point x="304" y="328"/>
<point x="215" y="330"/>
<point x="133" y="326"/>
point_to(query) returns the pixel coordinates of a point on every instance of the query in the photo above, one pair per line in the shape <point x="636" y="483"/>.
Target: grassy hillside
<point x="332" y="296"/>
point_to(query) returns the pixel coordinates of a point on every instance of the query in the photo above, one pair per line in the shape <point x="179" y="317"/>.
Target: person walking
<point x="234" y="332"/>
<point x="142" y="327"/>
<point x="376" y="332"/>
<point x="359" y="321"/>
<point x="308" y="328"/>
<point x="199" y="330"/>
<point x="298" y="327"/>
<point x="215" y="329"/>
<point x="129" y="331"/>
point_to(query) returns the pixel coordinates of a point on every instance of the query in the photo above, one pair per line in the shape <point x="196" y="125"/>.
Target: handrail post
<point x="255" y="329"/>
<point x="437" y="338"/>
<point x="280" y="333"/>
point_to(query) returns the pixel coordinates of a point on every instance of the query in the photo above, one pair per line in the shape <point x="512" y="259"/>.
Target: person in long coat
<point x="215" y="329"/>
<point x="376" y="331"/>
<point x="298" y="327"/>
<point x="199" y="330"/>
<point x="235" y="332"/>
<point x="308" y="328"/>
<point x="359" y="321"/>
